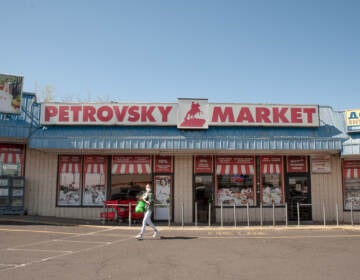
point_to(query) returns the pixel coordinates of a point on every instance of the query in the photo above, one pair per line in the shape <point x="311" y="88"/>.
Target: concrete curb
<point x="39" y="220"/>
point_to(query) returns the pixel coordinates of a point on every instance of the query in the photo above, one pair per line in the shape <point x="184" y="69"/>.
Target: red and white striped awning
<point x="10" y="158"/>
<point x="67" y="167"/>
<point x="234" y="169"/>
<point x="96" y="168"/>
<point x="271" y="168"/>
<point x="131" y="168"/>
<point x="352" y="173"/>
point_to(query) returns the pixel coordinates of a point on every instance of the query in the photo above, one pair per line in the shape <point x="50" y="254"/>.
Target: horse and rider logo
<point x="193" y="113"/>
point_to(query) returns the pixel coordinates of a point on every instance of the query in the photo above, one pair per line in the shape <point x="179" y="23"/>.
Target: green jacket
<point x="148" y="196"/>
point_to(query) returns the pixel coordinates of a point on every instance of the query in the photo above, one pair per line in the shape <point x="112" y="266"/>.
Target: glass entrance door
<point x="298" y="191"/>
<point x="203" y="195"/>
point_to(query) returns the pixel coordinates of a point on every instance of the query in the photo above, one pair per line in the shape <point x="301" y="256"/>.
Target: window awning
<point x="234" y="169"/>
<point x="96" y="168"/>
<point x="271" y="169"/>
<point x="9" y="157"/>
<point x="131" y="168"/>
<point x="67" y="167"/>
<point x="352" y="173"/>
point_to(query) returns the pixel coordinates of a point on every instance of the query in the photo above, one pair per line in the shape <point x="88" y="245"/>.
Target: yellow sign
<point x="352" y="120"/>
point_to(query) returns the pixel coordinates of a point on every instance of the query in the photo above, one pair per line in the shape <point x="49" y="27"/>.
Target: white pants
<point x="147" y="220"/>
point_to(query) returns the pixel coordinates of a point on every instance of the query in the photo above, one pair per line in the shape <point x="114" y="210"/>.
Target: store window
<point x="11" y="160"/>
<point x="94" y="192"/>
<point x="70" y="170"/>
<point x="272" y="187"/>
<point x="235" y="181"/>
<point x="351" y="179"/>
<point x="129" y="176"/>
<point x="163" y="168"/>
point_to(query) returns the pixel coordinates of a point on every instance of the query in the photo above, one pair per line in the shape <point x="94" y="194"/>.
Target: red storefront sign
<point x="198" y="114"/>
<point x="203" y="164"/>
<point x="163" y="164"/>
<point x="297" y="164"/>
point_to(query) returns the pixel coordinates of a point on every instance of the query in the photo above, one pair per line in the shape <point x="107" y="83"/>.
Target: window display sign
<point x="203" y="165"/>
<point x="162" y="197"/>
<point x="95" y="180"/>
<point x="10" y="94"/>
<point x="351" y="179"/>
<point x="320" y="164"/>
<point x="297" y="164"/>
<point x="11" y="159"/>
<point x="352" y="120"/>
<point x="163" y="164"/>
<point x="235" y="180"/>
<point x="272" y="187"/>
<point x="69" y="180"/>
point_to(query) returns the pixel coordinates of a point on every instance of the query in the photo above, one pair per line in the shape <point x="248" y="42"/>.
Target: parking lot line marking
<point x="36" y="231"/>
<point x="78" y="241"/>
<point x="66" y="253"/>
<point x="280" y="237"/>
<point x="39" y="250"/>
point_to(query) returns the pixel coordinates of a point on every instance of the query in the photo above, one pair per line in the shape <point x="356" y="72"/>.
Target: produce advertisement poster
<point x="10" y="94"/>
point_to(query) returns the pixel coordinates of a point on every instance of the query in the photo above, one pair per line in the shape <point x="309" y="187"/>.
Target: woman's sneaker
<point x="156" y="233"/>
<point x="139" y="237"/>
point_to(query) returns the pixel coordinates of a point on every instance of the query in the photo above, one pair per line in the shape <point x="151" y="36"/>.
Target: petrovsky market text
<point x="167" y="114"/>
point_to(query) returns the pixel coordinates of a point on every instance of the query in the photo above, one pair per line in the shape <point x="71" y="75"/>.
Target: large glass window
<point x="130" y="174"/>
<point x="94" y="180"/>
<point x="70" y="169"/>
<point x="11" y="160"/>
<point x="351" y="179"/>
<point x="235" y="181"/>
<point x="272" y="186"/>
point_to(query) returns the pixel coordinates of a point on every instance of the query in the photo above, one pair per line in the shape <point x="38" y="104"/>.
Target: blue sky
<point x="258" y="51"/>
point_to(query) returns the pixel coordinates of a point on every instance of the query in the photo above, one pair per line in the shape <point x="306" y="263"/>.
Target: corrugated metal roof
<point x="170" y="138"/>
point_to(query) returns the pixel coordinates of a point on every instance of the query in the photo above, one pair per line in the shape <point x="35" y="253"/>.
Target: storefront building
<point x="263" y="160"/>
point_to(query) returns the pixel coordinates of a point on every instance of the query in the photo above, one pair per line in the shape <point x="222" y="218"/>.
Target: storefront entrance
<point x="298" y="191"/>
<point x="203" y="195"/>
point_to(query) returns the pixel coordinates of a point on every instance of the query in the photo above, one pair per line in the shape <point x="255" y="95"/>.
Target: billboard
<point x="10" y="94"/>
<point x="353" y="120"/>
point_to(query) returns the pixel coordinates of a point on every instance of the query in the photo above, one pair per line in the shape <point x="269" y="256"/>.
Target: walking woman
<point x="148" y="198"/>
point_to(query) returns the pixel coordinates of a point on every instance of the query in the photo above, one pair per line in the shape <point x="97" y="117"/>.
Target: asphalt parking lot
<point x="30" y="250"/>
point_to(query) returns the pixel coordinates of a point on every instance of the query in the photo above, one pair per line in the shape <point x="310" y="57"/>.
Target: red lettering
<point x="120" y="115"/>
<point x="245" y="115"/>
<point x="146" y="113"/>
<point x="309" y="114"/>
<point x="279" y="115"/>
<point x="76" y="110"/>
<point x="63" y="113"/>
<point x="89" y="112"/>
<point x="262" y="115"/>
<point x="105" y="113"/>
<point x="134" y="115"/>
<point x="50" y="111"/>
<point x="228" y="114"/>
<point x="164" y="112"/>
<point x="296" y="116"/>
